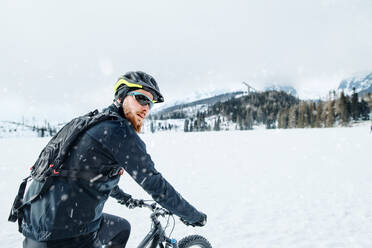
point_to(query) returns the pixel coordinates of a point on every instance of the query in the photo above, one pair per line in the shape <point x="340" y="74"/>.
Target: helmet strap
<point x="118" y="102"/>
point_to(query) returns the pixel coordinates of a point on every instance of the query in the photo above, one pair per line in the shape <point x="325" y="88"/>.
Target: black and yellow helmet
<point x="137" y="80"/>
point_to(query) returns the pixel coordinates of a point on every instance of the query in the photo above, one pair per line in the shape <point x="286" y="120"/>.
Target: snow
<point x="361" y="82"/>
<point x="26" y="128"/>
<point x="262" y="188"/>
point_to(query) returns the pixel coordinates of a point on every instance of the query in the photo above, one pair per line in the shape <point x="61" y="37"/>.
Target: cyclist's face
<point x="134" y="111"/>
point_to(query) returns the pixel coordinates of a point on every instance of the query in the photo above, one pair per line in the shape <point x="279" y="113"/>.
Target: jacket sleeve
<point x="130" y="152"/>
<point x="119" y="194"/>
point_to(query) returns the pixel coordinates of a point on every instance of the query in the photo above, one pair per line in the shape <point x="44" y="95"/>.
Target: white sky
<point x="62" y="58"/>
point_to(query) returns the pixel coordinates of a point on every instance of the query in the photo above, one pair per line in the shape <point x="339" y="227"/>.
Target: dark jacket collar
<point x="116" y="109"/>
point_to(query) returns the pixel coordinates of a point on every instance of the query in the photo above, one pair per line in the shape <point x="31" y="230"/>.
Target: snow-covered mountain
<point x="286" y="88"/>
<point x="172" y="117"/>
<point x="226" y="111"/>
<point x="209" y="100"/>
<point x="362" y="84"/>
<point x="211" y="97"/>
<point x="196" y="97"/>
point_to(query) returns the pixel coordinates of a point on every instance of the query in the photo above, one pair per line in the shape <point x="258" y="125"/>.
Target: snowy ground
<point x="263" y="188"/>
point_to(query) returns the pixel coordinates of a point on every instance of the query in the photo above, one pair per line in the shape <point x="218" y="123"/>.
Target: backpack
<point x="50" y="161"/>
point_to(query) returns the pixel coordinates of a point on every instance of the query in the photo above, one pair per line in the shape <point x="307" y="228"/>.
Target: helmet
<point x="137" y="80"/>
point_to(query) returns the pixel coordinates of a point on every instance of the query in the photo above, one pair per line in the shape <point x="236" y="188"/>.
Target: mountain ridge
<point x="361" y="83"/>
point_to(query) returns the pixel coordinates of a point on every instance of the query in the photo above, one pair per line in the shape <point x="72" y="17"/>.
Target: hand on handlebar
<point x="201" y="222"/>
<point x="131" y="203"/>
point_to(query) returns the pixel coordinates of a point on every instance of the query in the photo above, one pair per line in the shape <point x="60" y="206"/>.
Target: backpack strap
<point x="16" y="212"/>
<point x="89" y="175"/>
<point x="98" y="117"/>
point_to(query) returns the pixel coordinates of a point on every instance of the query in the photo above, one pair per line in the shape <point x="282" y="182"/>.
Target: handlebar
<point x="158" y="211"/>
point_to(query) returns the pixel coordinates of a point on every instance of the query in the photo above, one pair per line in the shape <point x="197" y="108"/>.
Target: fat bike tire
<point x="194" y="241"/>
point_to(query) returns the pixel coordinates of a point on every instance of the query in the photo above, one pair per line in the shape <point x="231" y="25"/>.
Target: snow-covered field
<point x="263" y="188"/>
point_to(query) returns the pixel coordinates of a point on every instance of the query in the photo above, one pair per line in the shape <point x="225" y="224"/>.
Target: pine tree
<point x="369" y="101"/>
<point x="319" y="114"/>
<point x="354" y="106"/>
<point x="341" y="110"/>
<point x="293" y="117"/>
<point x="286" y="118"/>
<point x="312" y="114"/>
<point x="196" y="125"/>
<point x="279" y="118"/>
<point x="152" y="127"/>
<point x="248" y="123"/>
<point x="191" y="128"/>
<point x="239" y="123"/>
<point x="330" y="114"/>
<point x="260" y="115"/>
<point x="324" y="115"/>
<point x="302" y="115"/>
<point x="283" y="118"/>
<point x="217" y="123"/>
<point x="364" y="110"/>
<point x="198" y="122"/>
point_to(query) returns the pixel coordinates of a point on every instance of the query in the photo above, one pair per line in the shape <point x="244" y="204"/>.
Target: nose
<point x="146" y="108"/>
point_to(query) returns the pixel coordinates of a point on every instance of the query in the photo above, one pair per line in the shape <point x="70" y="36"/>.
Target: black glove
<point x="131" y="203"/>
<point x="201" y="222"/>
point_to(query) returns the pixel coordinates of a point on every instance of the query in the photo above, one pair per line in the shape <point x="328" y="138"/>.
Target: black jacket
<point x="74" y="207"/>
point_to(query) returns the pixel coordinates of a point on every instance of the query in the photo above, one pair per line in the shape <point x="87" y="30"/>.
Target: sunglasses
<point x="142" y="99"/>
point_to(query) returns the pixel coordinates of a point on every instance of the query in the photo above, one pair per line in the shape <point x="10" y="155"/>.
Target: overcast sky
<point x="62" y="58"/>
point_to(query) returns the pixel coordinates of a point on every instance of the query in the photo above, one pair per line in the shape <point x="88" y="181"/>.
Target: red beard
<point x="134" y="120"/>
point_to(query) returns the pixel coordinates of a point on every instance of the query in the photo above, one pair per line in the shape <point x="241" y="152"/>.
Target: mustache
<point x="142" y="113"/>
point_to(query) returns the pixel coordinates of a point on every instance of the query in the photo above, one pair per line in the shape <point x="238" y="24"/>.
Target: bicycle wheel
<point x="194" y="241"/>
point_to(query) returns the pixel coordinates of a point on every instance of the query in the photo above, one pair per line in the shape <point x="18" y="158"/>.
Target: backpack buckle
<point x="116" y="172"/>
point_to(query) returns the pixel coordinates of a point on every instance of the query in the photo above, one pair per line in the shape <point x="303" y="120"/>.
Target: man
<point x="69" y="214"/>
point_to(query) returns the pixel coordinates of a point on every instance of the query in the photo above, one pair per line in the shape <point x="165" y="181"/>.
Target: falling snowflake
<point x="64" y="197"/>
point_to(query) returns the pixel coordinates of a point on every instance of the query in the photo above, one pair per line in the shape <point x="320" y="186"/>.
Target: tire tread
<point x="194" y="240"/>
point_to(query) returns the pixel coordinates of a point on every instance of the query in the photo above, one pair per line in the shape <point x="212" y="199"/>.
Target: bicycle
<point x="157" y="237"/>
